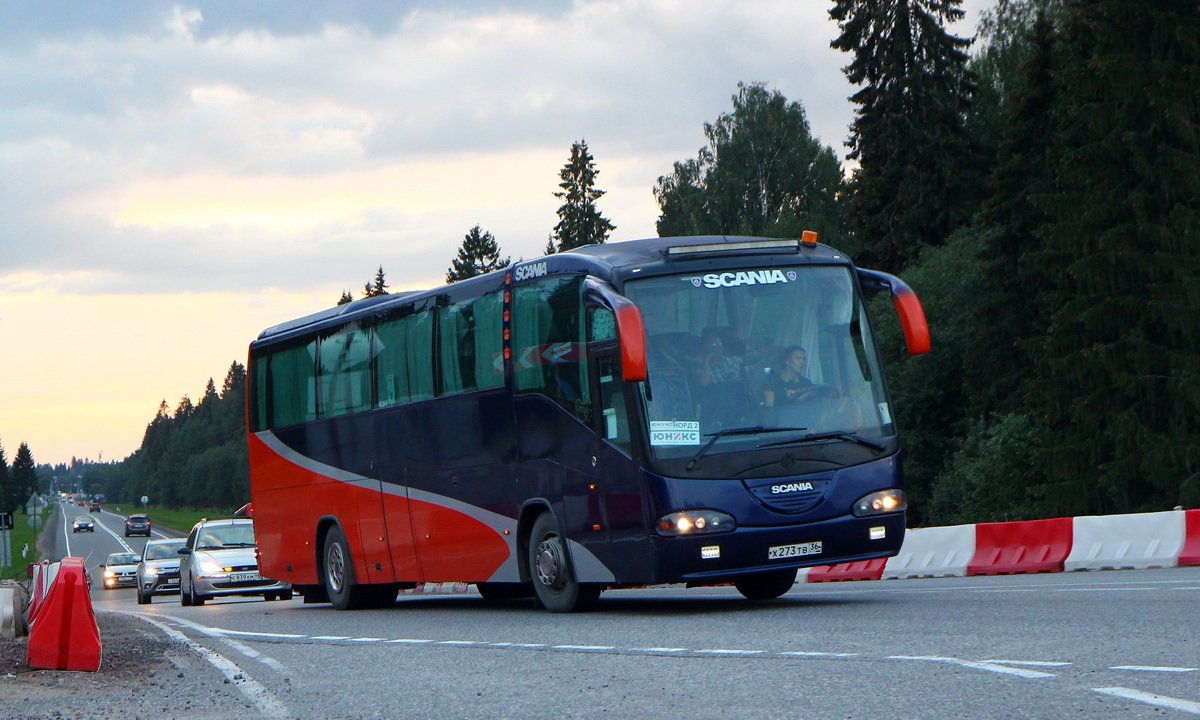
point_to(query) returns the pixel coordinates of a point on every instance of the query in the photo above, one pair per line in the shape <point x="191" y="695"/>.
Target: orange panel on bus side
<point x="454" y="547"/>
<point x="400" y="540"/>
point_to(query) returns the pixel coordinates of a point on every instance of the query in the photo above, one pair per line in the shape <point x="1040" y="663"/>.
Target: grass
<point x="180" y="520"/>
<point x="19" y="536"/>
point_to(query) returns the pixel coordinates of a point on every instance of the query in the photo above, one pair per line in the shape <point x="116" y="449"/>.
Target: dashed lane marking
<point x="1155" y="668"/>
<point x="989" y="666"/>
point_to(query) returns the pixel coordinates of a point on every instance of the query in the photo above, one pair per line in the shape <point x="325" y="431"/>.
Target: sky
<point x="176" y="178"/>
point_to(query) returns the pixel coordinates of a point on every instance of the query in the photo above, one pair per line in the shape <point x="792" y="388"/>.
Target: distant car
<point x="120" y="570"/>
<point x="94" y="507"/>
<point x="219" y="559"/>
<point x="83" y="523"/>
<point x="158" y="569"/>
<point x="137" y="525"/>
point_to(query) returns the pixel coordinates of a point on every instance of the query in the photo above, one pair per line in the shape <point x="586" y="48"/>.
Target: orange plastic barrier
<point x="1034" y="546"/>
<point x="1190" y="554"/>
<point x="861" y="570"/>
<point x="65" y="635"/>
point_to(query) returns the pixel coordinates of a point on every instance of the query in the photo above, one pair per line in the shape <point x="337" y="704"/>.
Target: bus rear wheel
<point x="554" y="583"/>
<point x="765" y="585"/>
<point x="338" y="571"/>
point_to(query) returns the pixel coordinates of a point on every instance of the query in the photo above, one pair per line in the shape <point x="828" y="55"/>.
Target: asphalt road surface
<point x="1090" y="645"/>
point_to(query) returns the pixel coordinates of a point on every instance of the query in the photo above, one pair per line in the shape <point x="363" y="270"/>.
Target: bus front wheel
<point x="765" y="585"/>
<point x="554" y="583"/>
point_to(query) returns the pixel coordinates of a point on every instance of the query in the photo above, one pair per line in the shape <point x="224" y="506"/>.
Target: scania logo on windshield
<point x="743" y="277"/>
<point x="791" y="488"/>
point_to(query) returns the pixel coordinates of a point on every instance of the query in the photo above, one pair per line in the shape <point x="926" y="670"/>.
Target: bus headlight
<point x="880" y="503"/>
<point x="695" y="522"/>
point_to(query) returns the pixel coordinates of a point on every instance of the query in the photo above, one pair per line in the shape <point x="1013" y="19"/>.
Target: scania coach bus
<point x="600" y="418"/>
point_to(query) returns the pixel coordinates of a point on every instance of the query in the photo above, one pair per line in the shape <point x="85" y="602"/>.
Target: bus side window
<point x="344" y="372"/>
<point x="549" y="342"/>
<point x="614" y="418"/>
<point x="293" y="385"/>
<point x="403" y="352"/>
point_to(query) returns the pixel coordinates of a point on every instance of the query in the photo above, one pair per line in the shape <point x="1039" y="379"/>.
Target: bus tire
<point x="498" y="591"/>
<point x="554" y="584"/>
<point x="338" y="573"/>
<point x="765" y="585"/>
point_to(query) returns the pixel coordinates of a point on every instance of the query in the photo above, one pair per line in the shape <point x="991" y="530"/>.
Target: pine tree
<point x="579" y="220"/>
<point x="24" y="475"/>
<point x="345" y="298"/>
<point x="477" y="255"/>
<point x="1119" y="374"/>
<point x="376" y="288"/>
<point x="915" y="179"/>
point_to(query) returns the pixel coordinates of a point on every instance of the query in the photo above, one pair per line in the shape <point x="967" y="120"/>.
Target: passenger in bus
<point x="788" y="385"/>
<point x="722" y="390"/>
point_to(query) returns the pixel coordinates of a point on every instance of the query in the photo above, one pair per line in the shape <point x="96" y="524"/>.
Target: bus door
<point x="617" y="478"/>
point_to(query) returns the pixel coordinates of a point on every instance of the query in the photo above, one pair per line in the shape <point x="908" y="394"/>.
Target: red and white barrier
<point x="65" y="636"/>
<point x="1034" y="546"/>
<point x="1127" y="542"/>
<point x="933" y="552"/>
<point x="1134" y="541"/>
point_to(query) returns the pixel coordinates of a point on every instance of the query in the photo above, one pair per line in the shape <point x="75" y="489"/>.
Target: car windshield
<point x="122" y="559"/>
<point x="83" y="519"/>
<point x="215" y="537"/>
<point x="138" y="518"/>
<point x="773" y="348"/>
<point x="162" y="550"/>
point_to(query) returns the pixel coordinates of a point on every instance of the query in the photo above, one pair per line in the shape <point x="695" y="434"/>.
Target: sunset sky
<point x="174" y="179"/>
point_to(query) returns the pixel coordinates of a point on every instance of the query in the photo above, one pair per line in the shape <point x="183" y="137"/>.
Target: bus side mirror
<point x="908" y="308"/>
<point x="632" y="336"/>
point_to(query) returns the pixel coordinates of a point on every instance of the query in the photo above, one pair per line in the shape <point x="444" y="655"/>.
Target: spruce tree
<point x="345" y="298"/>
<point x="579" y="220"/>
<point x="914" y="183"/>
<point x="377" y="287"/>
<point x="477" y="255"/>
<point x="1119" y="373"/>
<point x="24" y="476"/>
<point x="7" y="493"/>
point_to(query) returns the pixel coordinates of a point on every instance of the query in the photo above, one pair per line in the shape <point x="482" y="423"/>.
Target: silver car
<point x="120" y="570"/>
<point x="158" y="571"/>
<point x="219" y="559"/>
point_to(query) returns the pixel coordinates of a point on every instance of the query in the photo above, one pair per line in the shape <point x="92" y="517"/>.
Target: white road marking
<point x="802" y="653"/>
<point x="1155" y="668"/>
<point x="268" y="705"/>
<point x="583" y="647"/>
<point x="1152" y="699"/>
<point x="722" y="651"/>
<point x="990" y="667"/>
<point x="244" y="649"/>
<point x="658" y="650"/>
<point x="1031" y="663"/>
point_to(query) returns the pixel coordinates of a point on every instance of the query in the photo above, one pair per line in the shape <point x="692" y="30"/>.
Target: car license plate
<point x="797" y="550"/>
<point x="244" y="577"/>
<point x="172" y="581"/>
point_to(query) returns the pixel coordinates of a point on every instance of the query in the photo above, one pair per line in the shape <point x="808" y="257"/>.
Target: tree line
<point x="1041" y="194"/>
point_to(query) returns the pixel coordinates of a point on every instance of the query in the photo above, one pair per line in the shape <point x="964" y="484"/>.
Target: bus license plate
<point x="244" y="577"/>
<point x="797" y="550"/>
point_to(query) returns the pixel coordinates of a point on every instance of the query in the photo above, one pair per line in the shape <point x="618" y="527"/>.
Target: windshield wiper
<point x="736" y="431"/>
<point x="833" y="435"/>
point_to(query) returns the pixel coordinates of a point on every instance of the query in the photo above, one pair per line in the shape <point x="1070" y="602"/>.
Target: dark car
<point x="94" y="507"/>
<point x="137" y="525"/>
<point x="158" y="571"/>
<point x="120" y="570"/>
<point x="83" y="523"/>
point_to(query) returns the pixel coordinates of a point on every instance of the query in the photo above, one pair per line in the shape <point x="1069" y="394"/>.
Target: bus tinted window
<point x="345" y="371"/>
<point x="549" y="352"/>
<point x="404" y="360"/>
<point x="292" y="381"/>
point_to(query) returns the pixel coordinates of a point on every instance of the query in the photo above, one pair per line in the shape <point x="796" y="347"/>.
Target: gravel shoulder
<point x="143" y="674"/>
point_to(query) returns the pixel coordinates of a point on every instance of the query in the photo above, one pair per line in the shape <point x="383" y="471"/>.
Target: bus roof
<point x="613" y="261"/>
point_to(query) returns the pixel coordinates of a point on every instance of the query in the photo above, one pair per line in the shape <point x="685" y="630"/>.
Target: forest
<point x="1038" y="185"/>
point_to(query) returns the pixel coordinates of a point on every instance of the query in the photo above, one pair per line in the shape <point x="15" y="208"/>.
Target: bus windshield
<point x="744" y="359"/>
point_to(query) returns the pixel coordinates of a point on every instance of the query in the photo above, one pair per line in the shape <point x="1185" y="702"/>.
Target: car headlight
<point x="109" y="574"/>
<point x="150" y="571"/>
<point x="880" y="503"/>
<point x="695" y="522"/>
<point x="208" y="566"/>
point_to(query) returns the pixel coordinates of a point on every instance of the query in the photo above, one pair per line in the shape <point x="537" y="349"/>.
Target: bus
<point x="596" y="419"/>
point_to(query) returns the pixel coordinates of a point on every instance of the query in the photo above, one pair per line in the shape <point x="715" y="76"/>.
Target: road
<point x="1095" y="645"/>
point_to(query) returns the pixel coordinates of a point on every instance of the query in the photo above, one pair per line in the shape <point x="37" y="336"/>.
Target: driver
<point x="788" y="385"/>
